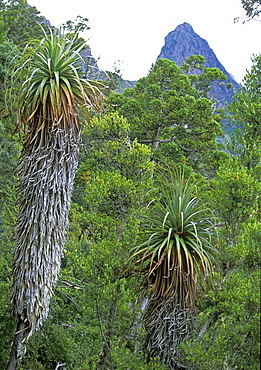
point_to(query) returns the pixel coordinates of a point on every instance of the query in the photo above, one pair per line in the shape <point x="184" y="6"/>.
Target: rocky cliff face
<point x="183" y="42"/>
<point x="91" y="71"/>
<point x="90" y="66"/>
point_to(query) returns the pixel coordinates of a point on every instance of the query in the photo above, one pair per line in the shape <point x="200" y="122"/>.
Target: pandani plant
<point x="176" y="247"/>
<point x="51" y="100"/>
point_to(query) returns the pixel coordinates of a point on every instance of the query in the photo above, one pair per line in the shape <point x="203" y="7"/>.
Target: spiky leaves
<point x="48" y="113"/>
<point x="176" y="241"/>
<point x="175" y="248"/>
<point x="54" y="87"/>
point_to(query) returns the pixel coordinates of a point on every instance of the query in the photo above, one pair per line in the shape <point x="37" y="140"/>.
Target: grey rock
<point x="184" y="42"/>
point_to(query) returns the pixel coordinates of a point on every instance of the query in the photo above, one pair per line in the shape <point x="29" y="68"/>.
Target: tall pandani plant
<point x="51" y="100"/>
<point x="176" y="247"/>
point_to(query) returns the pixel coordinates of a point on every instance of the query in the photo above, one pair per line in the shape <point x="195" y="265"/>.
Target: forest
<point x="130" y="225"/>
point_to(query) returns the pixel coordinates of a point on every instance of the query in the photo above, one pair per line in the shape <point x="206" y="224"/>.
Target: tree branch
<point x="207" y="325"/>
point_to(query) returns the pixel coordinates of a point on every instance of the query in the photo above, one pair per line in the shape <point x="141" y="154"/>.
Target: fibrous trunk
<point x="167" y="323"/>
<point x="46" y="181"/>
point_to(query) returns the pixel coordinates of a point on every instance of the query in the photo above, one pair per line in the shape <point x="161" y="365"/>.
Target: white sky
<point x="133" y="32"/>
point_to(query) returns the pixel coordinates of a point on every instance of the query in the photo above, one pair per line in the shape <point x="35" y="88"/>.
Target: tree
<point x="164" y="110"/>
<point x="252" y="8"/>
<point x="203" y="78"/>
<point x="245" y="108"/>
<point x="9" y="54"/>
<point x="79" y="25"/>
<point x="20" y="21"/>
<point x="48" y="102"/>
<point x="175" y="248"/>
<point x="235" y="193"/>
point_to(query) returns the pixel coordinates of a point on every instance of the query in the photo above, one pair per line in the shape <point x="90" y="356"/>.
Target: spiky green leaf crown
<point x="54" y="86"/>
<point x="176" y="242"/>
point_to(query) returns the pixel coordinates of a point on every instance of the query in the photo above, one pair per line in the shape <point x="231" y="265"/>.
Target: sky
<point x="130" y="34"/>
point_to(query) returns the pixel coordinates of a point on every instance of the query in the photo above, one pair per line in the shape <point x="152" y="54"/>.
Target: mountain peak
<point x="186" y="26"/>
<point x="184" y="42"/>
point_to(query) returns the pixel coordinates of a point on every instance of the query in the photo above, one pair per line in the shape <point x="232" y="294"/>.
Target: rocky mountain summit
<point x="184" y="42"/>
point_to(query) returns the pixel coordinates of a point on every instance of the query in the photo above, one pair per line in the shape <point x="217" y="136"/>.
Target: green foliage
<point x="232" y="310"/>
<point x="6" y="320"/>
<point x="107" y="147"/>
<point x="235" y="193"/>
<point x="79" y="25"/>
<point x="246" y="110"/>
<point x="9" y="151"/>
<point x="202" y="77"/>
<point x="247" y="250"/>
<point x="251" y="81"/>
<point x="166" y="112"/>
<point x="8" y="56"/>
<point x="19" y="21"/>
<point x="125" y="359"/>
<point x="116" y="176"/>
<point x="227" y="334"/>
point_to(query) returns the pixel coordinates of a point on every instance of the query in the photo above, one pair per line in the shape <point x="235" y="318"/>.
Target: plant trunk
<point x="46" y="181"/>
<point x="18" y="349"/>
<point x="167" y="324"/>
<point x="155" y="142"/>
<point x="207" y="325"/>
